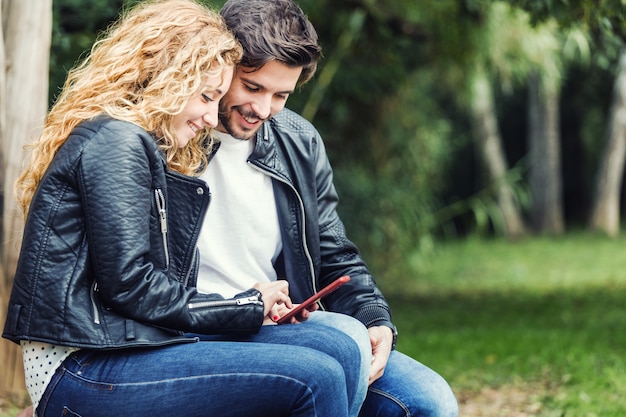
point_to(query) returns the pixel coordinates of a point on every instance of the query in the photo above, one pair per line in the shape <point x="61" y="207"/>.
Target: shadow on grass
<point x="570" y="343"/>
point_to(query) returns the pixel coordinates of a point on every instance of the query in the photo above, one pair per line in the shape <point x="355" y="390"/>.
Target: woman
<point x="104" y="291"/>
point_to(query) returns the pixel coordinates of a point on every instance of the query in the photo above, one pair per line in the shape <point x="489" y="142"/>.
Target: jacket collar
<point x="267" y="151"/>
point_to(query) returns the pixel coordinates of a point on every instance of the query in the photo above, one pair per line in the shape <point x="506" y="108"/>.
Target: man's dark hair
<point x="274" y="30"/>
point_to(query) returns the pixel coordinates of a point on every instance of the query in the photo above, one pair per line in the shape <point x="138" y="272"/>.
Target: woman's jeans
<point x="307" y="369"/>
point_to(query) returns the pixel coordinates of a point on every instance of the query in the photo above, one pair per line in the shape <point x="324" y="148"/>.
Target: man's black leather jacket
<point x="109" y="255"/>
<point x="316" y="250"/>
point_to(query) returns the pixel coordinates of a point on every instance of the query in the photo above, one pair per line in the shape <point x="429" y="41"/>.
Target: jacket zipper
<point x="92" y="295"/>
<point x="160" y="203"/>
<point x="225" y="303"/>
<point x="306" y="248"/>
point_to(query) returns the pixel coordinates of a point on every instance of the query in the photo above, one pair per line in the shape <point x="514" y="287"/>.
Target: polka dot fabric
<point x="40" y="362"/>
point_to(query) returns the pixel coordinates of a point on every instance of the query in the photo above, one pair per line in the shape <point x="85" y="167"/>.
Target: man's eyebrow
<point x="262" y="87"/>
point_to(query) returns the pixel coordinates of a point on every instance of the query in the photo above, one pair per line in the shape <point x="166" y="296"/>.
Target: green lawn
<point x="543" y="318"/>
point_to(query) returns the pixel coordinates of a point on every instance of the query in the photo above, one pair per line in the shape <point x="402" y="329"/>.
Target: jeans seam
<point x="385" y="394"/>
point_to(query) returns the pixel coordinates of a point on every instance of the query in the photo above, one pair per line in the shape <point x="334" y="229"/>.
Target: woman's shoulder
<point x="107" y="132"/>
<point x="105" y="124"/>
<point x="105" y="140"/>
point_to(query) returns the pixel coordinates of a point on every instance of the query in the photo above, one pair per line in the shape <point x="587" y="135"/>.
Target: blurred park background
<point x="478" y="149"/>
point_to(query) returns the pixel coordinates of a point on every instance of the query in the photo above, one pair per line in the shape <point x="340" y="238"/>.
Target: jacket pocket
<point x="92" y="295"/>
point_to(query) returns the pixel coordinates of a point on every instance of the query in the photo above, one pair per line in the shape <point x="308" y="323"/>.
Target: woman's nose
<point x="210" y="118"/>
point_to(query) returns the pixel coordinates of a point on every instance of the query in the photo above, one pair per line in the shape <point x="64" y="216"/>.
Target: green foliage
<point x="388" y="195"/>
<point x="603" y="22"/>
<point x="602" y="17"/>
<point x="483" y="206"/>
<point x="76" y="24"/>
<point x="544" y="315"/>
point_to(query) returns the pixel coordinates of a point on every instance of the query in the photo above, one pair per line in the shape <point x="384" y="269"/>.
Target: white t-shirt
<point x="240" y="237"/>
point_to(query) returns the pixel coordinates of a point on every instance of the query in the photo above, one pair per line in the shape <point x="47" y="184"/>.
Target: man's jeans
<point x="406" y="389"/>
<point x="307" y="369"/>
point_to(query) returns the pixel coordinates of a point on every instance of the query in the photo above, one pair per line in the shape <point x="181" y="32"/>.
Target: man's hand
<point x="381" y="338"/>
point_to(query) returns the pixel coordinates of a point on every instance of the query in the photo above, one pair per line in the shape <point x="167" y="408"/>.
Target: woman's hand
<point x="275" y="299"/>
<point x="299" y="317"/>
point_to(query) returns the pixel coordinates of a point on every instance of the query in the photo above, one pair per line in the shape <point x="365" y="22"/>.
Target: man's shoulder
<point x="289" y="122"/>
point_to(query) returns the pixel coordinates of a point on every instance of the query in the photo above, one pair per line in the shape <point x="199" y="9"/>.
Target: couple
<point x="174" y="211"/>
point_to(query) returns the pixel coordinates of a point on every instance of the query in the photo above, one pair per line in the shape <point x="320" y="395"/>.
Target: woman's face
<point x="201" y="110"/>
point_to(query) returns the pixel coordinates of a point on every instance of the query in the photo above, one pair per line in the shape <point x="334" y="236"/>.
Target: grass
<point x="530" y="328"/>
<point x="545" y="317"/>
<point x="9" y="409"/>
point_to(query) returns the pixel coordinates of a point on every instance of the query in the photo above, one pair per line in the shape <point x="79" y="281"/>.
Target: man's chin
<point x="243" y="134"/>
<point x="234" y="124"/>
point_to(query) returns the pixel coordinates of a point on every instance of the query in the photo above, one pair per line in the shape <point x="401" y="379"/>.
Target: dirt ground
<point x="508" y="401"/>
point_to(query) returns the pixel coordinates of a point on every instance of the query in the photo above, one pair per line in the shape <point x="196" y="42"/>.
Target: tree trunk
<point x="545" y="157"/>
<point x="24" y="98"/>
<point x="605" y="211"/>
<point x="3" y="106"/>
<point x="489" y="140"/>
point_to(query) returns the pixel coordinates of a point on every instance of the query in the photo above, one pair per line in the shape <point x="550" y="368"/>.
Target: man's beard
<point x="232" y="128"/>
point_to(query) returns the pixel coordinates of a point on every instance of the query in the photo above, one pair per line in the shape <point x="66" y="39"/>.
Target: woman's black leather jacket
<point x="109" y="255"/>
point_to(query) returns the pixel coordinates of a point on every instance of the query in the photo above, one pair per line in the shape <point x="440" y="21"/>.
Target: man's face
<point x="254" y="97"/>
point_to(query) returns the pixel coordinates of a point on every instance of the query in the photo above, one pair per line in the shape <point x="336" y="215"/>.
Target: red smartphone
<point x="313" y="299"/>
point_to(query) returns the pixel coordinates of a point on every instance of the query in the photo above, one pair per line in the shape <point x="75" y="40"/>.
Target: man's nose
<point x="262" y="107"/>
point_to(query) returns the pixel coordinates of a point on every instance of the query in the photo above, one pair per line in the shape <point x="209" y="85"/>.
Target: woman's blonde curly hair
<point x="143" y="69"/>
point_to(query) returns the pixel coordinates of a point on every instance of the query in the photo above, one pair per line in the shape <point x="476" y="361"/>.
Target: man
<point x="272" y="214"/>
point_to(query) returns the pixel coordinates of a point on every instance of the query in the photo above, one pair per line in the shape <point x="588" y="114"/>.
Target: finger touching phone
<point x="313" y="299"/>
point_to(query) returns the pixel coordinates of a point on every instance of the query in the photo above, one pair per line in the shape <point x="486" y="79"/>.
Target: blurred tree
<point x="489" y="140"/>
<point x="24" y="84"/>
<point x="544" y="155"/>
<point x="516" y="53"/>
<point x="605" y="213"/>
<point x="605" y="21"/>
<point x="499" y="61"/>
<point x="549" y="49"/>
